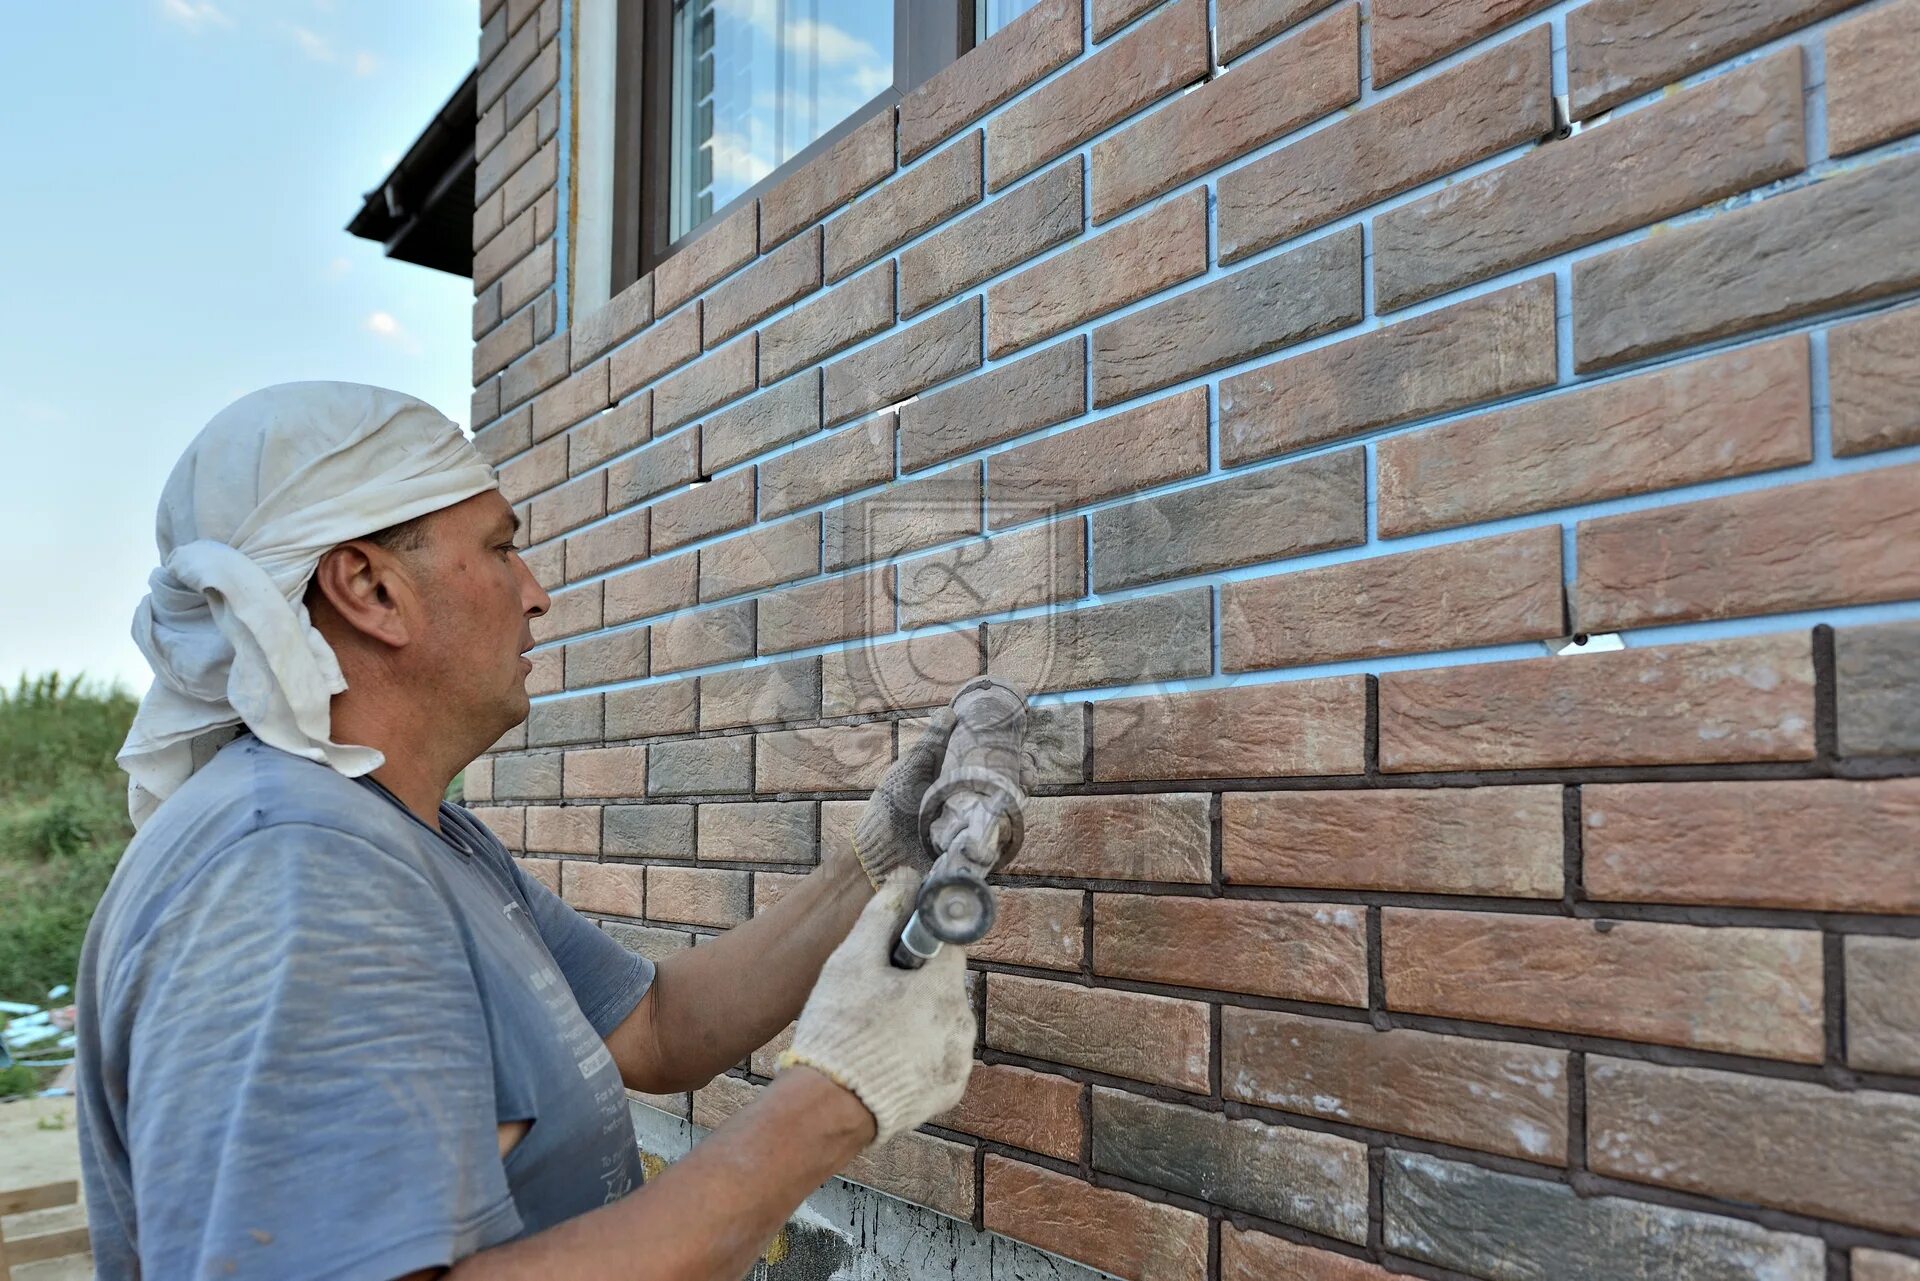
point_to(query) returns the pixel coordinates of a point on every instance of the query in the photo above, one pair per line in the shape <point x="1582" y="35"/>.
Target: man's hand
<point x="888" y="833"/>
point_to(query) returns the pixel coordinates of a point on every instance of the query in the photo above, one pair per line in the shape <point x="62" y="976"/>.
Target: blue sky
<point x="178" y="177"/>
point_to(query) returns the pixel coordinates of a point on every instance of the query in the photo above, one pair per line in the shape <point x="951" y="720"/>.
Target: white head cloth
<point x="273" y="482"/>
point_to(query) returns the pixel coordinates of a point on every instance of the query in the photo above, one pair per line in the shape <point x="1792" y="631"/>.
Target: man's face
<point x="481" y="600"/>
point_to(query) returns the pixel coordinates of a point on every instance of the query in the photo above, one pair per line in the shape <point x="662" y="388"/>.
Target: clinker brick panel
<point x="1408" y="34"/>
<point x="855" y="458"/>
<point x="858" y="161"/>
<point x="1303" y="293"/>
<point x="764" y="695"/>
<point x="1252" y="731"/>
<point x="1041" y="40"/>
<point x="1489" y="1095"/>
<point x="1483" y="349"/>
<point x="1744" y="1138"/>
<point x="1153" y="638"/>
<point x="697" y="766"/>
<point x="1163" y="54"/>
<point x="1022" y="396"/>
<point x="663" y="347"/>
<point x="1158" y="837"/>
<point x="1297" y="81"/>
<point x="1619" y="49"/>
<point x="1162" y="441"/>
<point x="1003" y="233"/>
<point x="1039" y="565"/>
<point x="765" y="556"/>
<point x="1156" y="1039"/>
<point x="1822" y="844"/>
<point x="718" y="250"/>
<point x="831" y="758"/>
<point x="904" y="517"/>
<point x="1739" y="699"/>
<point x="607" y="659"/>
<point x="1877" y="671"/>
<point x="788" y="273"/>
<point x="1270" y="514"/>
<point x="1256" y="1256"/>
<point x="663" y="465"/>
<point x="722" y="634"/>
<point x="778" y="416"/>
<point x="920" y="199"/>
<point x="1873" y="368"/>
<point x="1115" y="1231"/>
<point x="848" y="607"/>
<point x="1737" y="990"/>
<point x="1882" y="1265"/>
<point x="709" y="382"/>
<point x="1742" y="411"/>
<point x="1496" y="841"/>
<point x="714" y="508"/>
<point x="1295" y="951"/>
<point x="616" y="889"/>
<point x="1733" y="133"/>
<point x="1770" y="262"/>
<point x="920" y="671"/>
<point x="1025" y="1109"/>
<point x="856" y="310"/>
<point x="696" y="896"/>
<point x="1883" y="1004"/>
<point x="1034" y="926"/>
<point x="757" y="832"/>
<point x="1873" y="62"/>
<point x="1847" y="540"/>
<point x="654" y="588"/>
<point x="904" y="363"/>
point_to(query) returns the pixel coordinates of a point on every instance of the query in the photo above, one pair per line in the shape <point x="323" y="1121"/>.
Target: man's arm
<point x="710" y="1006"/>
<point x="710" y="1213"/>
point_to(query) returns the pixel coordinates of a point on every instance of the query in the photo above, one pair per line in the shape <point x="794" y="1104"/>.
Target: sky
<point x="179" y="175"/>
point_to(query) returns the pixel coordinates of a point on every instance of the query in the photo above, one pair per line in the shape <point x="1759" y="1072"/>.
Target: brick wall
<point x="1263" y="384"/>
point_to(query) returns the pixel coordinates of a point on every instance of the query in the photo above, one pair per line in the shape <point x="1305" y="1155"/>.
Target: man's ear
<point x="370" y="591"/>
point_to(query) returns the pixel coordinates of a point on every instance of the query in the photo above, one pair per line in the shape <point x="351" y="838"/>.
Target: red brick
<point x="1847" y="540"/>
<point x="1849" y="238"/>
<point x="855" y="311"/>
<point x="1255" y="1256"/>
<point x="1873" y="62"/>
<point x="612" y="543"/>
<point x="855" y="458"/>
<point x="1743" y="699"/>
<point x="1822" y="844"/>
<point x="788" y="273"/>
<point x="696" y="896"/>
<point x="763" y="695"/>
<point x="1025" y="395"/>
<point x="1850" y="1155"/>
<point x="544" y="870"/>
<point x="1035" y="566"/>
<point x="859" y="160"/>
<point x="1156" y="1039"/>
<point x="1735" y="990"/>
<point x="1488" y="1095"/>
<point x="1111" y="15"/>
<point x="1038" y="927"/>
<point x="1140" y="257"/>
<point x="1620" y="49"/>
<point x="918" y="200"/>
<point x="1161" y="55"/>
<point x="605" y="771"/>
<point x="1883" y="1004"/>
<point x="714" y="508"/>
<point x="1408" y="34"/>
<point x="1296" y="951"/>
<point x="1873" y="367"/>
<point x="1497" y="841"/>
<point x="720" y="249"/>
<point x="1136" y="449"/>
<point x="920" y="671"/>
<point x="1483" y="349"/>
<point x="625" y="314"/>
<point x="1487" y="591"/>
<point x="657" y="587"/>
<point x="568" y="506"/>
<point x="905" y="363"/>
<point x="1022" y="1108"/>
<point x="1044" y="38"/>
<point x="1114" y="1231"/>
<point x="763" y="557"/>
<point x="1738" y="412"/>
<point x="829" y="758"/>
<point x="1250" y="731"/>
<point x="1732" y="133"/>
<point x="573" y="829"/>
<point x="609" y="433"/>
<point x="905" y="517"/>
<point x="614" y="888"/>
<point x="663" y="347"/>
<point x="1308" y="291"/>
<point x="663" y="465"/>
<point x="722" y="634"/>
<point x="1163" y="836"/>
<point x="607" y="658"/>
<point x="709" y="382"/>
<point x="1153" y="638"/>
<point x="920" y="1168"/>
<point x="1298" y="80"/>
<point x="1000" y="234"/>
<point x="834" y="609"/>
<point x="767" y="421"/>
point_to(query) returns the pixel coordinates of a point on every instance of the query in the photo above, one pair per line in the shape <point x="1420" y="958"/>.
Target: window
<point x="717" y="100"/>
<point x="995" y="14"/>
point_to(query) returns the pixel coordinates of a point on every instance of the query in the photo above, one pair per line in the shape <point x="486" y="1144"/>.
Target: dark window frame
<point x="928" y="36"/>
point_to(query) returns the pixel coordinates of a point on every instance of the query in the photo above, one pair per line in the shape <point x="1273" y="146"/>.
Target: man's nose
<point x="533" y="596"/>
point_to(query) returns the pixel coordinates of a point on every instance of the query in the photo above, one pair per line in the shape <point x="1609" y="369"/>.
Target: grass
<point x="63" y="825"/>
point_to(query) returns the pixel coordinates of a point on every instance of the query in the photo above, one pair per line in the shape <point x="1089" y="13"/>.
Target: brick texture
<point x="1022" y="1108"/>
<point x="1156" y="1039"/>
<point x="1297" y="951"/>
<point x="1162" y="441"/>
<point x="923" y="197"/>
<point x="1873" y="367"/>
<point x="1039" y="41"/>
<point x="1872" y="60"/>
<point x="1408" y="35"/>
<point x="1883" y="1004"/>
<point x="1114" y="1231"/>
<point x="1001" y="234"/>
<point x="1255" y="731"/>
<point x="1162" y="837"/>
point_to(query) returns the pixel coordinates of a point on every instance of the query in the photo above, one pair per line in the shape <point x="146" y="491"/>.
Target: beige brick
<point x="1035" y="566"/>
<point x="763" y="557"/>
<point x="719" y="250"/>
<point x="1163" y="637"/>
<point x="1873" y="368"/>
<point x="905" y="363"/>
<point x="921" y="671"/>
<point x="831" y="758"/>
<point x="605" y="771"/>
<point x="1407" y="34"/>
<point x="854" y="458"/>
<point x="856" y="310"/>
<point x="721" y="634"/>
<point x="1037" y="391"/>
<point x="696" y="896"/>
<point x="858" y="161"/>
<point x="1620" y="49"/>
<point x="614" y="888"/>
<point x="835" y="609"/>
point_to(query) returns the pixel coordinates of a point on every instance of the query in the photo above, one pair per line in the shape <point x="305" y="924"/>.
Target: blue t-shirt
<point x="303" y="1015"/>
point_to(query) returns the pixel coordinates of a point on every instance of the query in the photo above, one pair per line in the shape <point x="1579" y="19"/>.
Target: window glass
<point x="755" y="81"/>
<point x="991" y="15"/>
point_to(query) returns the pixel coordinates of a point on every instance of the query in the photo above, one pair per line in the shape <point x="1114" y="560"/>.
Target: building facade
<point x="1448" y="472"/>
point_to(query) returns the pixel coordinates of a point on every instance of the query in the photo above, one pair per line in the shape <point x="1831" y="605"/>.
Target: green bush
<point x="63" y="823"/>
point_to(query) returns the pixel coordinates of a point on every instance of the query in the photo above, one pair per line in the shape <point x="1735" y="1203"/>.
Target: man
<point x="327" y="1027"/>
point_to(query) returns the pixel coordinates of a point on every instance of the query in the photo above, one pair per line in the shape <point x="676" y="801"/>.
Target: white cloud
<point x="364" y="63"/>
<point x="195" y="14"/>
<point x="835" y="46"/>
<point x="339" y="267"/>
<point x="735" y="164"/>
<point x="311" y="43"/>
<point x="383" y="326"/>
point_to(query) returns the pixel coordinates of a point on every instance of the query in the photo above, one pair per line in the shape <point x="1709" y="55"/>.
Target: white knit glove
<point x="887" y="835"/>
<point x="900" y="1040"/>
